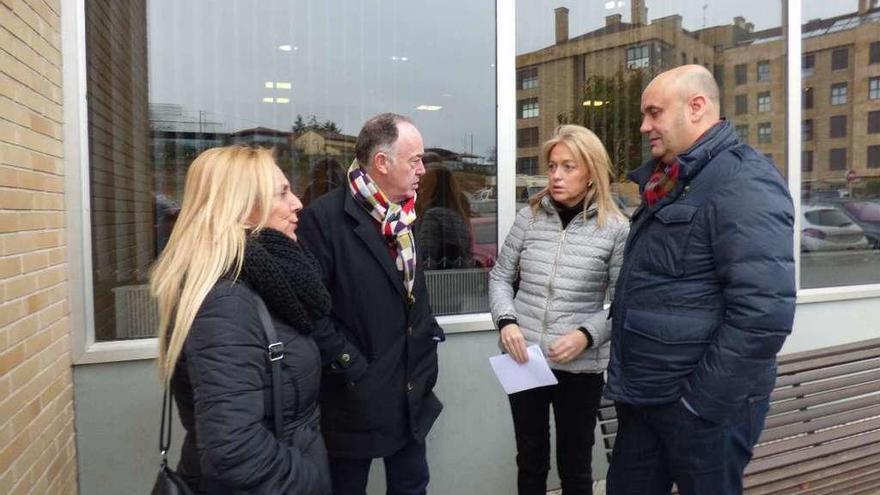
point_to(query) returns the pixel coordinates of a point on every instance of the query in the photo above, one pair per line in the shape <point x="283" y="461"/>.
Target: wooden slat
<point x="795" y="357"/>
<point x="868" y="475"/>
<point x="812" y="453"/>
<point x="824" y="385"/>
<point x="819" y="411"/>
<point x="816" y="478"/>
<point x="824" y="398"/>
<point x="819" y="424"/>
<point x="807" y="467"/>
<point x="822" y="373"/>
<point x="822" y="437"/>
<point x="848" y="486"/>
<point x="860" y="354"/>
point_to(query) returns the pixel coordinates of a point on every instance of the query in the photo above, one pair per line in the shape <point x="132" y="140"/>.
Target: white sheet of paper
<point x="515" y="377"/>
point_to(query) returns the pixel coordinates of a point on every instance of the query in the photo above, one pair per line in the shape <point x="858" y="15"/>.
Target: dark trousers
<point x="406" y="472"/>
<point x="575" y="400"/>
<point x="657" y="446"/>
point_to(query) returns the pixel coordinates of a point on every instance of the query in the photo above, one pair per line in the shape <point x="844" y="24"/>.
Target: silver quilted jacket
<point x="564" y="278"/>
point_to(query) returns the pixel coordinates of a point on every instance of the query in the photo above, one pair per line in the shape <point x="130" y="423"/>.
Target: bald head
<point x="678" y="106"/>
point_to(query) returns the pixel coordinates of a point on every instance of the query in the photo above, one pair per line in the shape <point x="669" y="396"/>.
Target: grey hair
<point x="379" y="134"/>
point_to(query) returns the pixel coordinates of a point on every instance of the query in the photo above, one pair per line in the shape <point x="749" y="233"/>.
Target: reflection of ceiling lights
<point x="282" y="85"/>
<point x="399" y="59"/>
<point x="595" y="103"/>
<point x="282" y="100"/>
<point x="285" y="48"/>
<point x="270" y="84"/>
<point x="429" y="108"/>
<point x="268" y="99"/>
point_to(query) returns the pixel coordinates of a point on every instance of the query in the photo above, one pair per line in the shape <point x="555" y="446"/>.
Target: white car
<point x="826" y="228"/>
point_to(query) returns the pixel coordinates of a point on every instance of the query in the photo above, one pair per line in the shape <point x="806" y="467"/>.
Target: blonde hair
<point x="589" y="151"/>
<point x="223" y="187"/>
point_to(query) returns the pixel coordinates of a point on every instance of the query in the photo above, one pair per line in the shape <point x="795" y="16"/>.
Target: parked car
<point x="485" y="241"/>
<point x="827" y="228"/>
<point x="867" y="215"/>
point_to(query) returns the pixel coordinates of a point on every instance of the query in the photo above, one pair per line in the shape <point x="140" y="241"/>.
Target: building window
<point x="527" y="78"/>
<point x="837" y="126"/>
<point x="840" y="58"/>
<point x="807" y="98"/>
<point x="638" y="57"/>
<point x="741" y="104"/>
<point x="874" y="88"/>
<point x="742" y="131"/>
<point x="874" y="55"/>
<point x="874" y="122"/>
<point x="764" y="102"/>
<point x="526" y="138"/>
<point x="807" y="130"/>
<point x="874" y="156"/>
<point x="808" y="65"/>
<point x="837" y="159"/>
<point x="765" y="133"/>
<point x="527" y="165"/>
<point x="838" y="93"/>
<point x="764" y="71"/>
<point x="807" y="160"/>
<point x="528" y="108"/>
<point x="739" y="73"/>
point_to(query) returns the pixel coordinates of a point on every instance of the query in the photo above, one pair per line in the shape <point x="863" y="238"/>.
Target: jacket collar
<point x="546" y="204"/>
<point x="717" y="139"/>
<point x="367" y="230"/>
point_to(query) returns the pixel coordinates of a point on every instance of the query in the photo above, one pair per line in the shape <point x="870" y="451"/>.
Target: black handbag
<point x="168" y="482"/>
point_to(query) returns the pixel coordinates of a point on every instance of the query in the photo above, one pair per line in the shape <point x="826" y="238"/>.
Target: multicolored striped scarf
<point x="396" y="220"/>
<point x="662" y="182"/>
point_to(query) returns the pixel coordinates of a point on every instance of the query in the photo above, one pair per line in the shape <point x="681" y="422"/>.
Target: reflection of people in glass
<point x="326" y="174"/>
<point x="443" y="235"/>
<point x="705" y="299"/>
<point x="566" y="248"/>
<point x="166" y="214"/>
<point x="225" y="254"/>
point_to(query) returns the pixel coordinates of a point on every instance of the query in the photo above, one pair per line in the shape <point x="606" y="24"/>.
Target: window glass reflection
<point x="840" y="198"/>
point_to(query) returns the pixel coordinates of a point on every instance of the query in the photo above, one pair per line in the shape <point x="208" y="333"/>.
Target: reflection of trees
<point x="609" y="106"/>
<point x="300" y="125"/>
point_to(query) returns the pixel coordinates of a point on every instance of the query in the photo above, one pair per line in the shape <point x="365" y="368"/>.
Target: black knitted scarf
<point x="287" y="277"/>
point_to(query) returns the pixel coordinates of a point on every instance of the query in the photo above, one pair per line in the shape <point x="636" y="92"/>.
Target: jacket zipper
<point x="550" y="284"/>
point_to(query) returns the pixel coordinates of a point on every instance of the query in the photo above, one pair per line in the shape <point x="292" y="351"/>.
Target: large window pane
<point x="840" y="225"/>
<point x="595" y="58"/>
<point x="168" y="79"/>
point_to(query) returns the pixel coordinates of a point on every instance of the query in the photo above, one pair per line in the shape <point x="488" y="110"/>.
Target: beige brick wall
<point x="37" y="450"/>
<point x="121" y="175"/>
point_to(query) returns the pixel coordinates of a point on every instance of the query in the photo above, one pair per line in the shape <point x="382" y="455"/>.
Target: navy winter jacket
<point x="706" y="293"/>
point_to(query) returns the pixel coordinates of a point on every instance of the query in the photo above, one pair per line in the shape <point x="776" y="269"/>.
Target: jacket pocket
<point x="667" y="246"/>
<point x="666" y="345"/>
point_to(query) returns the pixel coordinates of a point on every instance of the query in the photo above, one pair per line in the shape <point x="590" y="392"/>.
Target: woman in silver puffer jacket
<point x="564" y="252"/>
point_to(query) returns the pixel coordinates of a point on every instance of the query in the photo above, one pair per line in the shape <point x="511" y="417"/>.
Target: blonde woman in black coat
<point x="233" y="244"/>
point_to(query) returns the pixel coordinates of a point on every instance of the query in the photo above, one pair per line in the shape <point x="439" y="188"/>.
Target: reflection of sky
<point x="535" y="18"/>
<point x="215" y="57"/>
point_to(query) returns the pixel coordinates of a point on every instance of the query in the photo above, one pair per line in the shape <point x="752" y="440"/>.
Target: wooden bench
<point x="822" y="434"/>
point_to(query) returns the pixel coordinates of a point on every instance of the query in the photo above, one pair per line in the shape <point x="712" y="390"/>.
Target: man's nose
<point x="645" y="127"/>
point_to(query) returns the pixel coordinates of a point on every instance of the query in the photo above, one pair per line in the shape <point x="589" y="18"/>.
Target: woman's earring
<point x="590" y="184"/>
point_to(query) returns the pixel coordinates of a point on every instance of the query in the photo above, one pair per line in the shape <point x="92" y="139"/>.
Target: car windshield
<point x="828" y="217"/>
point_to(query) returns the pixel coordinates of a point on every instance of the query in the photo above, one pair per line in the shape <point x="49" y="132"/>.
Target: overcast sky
<point x="349" y="60"/>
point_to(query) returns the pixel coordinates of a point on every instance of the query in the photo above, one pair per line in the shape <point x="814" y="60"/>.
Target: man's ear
<point x="381" y="163"/>
<point x="697" y="107"/>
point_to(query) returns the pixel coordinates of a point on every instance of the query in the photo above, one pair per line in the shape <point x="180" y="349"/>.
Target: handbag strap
<point x="275" y="352"/>
<point x="165" y="426"/>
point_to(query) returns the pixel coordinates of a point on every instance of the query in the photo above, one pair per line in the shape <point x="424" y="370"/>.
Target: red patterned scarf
<point x="395" y="219"/>
<point x="662" y="182"/>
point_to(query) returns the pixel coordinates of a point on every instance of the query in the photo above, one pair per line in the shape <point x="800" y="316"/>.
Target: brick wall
<point x="37" y="450"/>
<point x="121" y="176"/>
